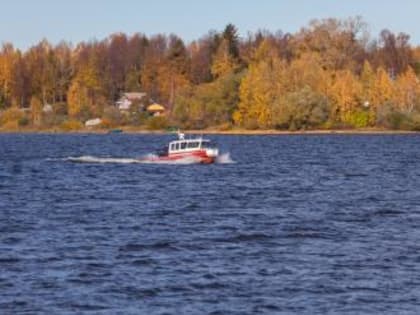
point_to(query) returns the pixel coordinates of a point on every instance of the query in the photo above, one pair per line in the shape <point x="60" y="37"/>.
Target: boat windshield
<point x="193" y="144"/>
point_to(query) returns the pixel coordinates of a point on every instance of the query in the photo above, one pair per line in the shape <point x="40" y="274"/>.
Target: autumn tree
<point x="210" y="104"/>
<point x="368" y="82"/>
<point x="300" y="109"/>
<point x="36" y="111"/>
<point x="307" y="71"/>
<point x="20" y="84"/>
<point x="226" y="58"/>
<point x="64" y="71"/>
<point x="346" y="104"/>
<point x="85" y="94"/>
<point x="416" y="60"/>
<point x="77" y="99"/>
<point x="407" y="92"/>
<point x="260" y="88"/>
<point x="230" y="36"/>
<point x="393" y="52"/>
<point x="201" y="53"/>
<point x="339" y="42"/>
<point x="153" y="61"/>
<point x="223" y="62"/>
<point x="42" y="64"/>
<point x="136" y="46"/>
<point x="174" y="70"/>
<point x="381" y="94"/>
<point x="117" y="63"/>
<point x="7" y="62"/>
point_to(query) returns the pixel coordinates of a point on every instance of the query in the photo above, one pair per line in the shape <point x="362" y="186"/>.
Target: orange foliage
<point x="328" y="66"/>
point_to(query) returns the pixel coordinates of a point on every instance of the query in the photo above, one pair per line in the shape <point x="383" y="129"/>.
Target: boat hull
<point x="200" y="156"/>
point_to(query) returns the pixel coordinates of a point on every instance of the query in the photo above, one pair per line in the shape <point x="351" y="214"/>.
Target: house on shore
<point x="129" y="98"/>
<point x="142" y="103"/>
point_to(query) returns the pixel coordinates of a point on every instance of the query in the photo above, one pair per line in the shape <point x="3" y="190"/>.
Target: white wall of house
<point x="93" y="122"/>
<point x="124" y="104"/>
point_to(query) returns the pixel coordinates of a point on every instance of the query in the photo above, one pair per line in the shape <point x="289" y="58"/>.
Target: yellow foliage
<point x="345" y="93"/>
<point x="11" y="125"/>
<point x="77" y="98"/>
<point x="367" y="79"/>
<point x="307" y="71"/>
<point x="223" y="62"/>
<point x="407" y="91"/>
<point x="71" y="125"/>
<point x="157" y="123"/>
<point x="7" y="62"/>
<point x="36" y="111"/>
<point x="259" y="89"/>
<point x="256" y="95"/>
<point x="10" y="118"/>
<point x="383" y="88"/>
<point x="381" y="93"/>
<point x="368" y="82"/>
<point x="224" y="127"/>
<point x="170" y="82"/>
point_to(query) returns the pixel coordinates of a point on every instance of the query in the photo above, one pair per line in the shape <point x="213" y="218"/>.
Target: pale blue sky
<point x="26" y="22"/>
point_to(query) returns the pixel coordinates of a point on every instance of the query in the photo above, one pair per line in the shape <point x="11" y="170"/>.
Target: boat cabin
<point x="189" y="145"/>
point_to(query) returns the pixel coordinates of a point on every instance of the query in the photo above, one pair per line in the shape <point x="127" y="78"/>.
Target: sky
<point x="25" y="23"/>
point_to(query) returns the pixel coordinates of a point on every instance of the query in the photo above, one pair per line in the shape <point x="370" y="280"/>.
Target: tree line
<point x="329" y="74"/>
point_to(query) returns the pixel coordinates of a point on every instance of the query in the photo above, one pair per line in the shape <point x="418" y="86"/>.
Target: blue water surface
<point x="308" y="224"/>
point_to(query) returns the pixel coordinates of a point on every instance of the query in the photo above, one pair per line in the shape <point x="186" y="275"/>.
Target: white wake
<point x="224" y="159"/>
<point x="101" y="160"/>
<point x="146" y="159"/>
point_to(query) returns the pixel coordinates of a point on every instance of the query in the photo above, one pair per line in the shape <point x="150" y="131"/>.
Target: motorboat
<point x="197" y="150"/>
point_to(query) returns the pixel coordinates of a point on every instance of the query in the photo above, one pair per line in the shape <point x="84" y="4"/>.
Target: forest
<point x="331" y="74"/>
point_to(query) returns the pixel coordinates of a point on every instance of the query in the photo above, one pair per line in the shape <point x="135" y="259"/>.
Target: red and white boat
<point x="197" y="150"/>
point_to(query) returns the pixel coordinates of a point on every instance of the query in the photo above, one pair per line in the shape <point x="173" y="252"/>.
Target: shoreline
<point x="304" y="132"/>
<point x="245" y="132"/>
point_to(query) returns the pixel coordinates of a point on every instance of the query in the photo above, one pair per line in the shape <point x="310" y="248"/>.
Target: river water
<point x="308" y="224"/>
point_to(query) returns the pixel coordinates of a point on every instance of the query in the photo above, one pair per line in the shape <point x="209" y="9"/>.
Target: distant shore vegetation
<point x="332" y="74"/>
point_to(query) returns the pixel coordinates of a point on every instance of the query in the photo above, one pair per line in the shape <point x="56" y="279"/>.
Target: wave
<point x="224" y="159"/>
<point x="101" y="160"/>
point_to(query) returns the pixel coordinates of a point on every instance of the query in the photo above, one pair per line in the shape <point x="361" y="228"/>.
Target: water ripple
<point x="295" y="225"/>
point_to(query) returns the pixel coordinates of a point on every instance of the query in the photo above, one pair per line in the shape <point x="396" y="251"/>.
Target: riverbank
<point x="302" y="132"/>
<point x="365" y="131"/>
